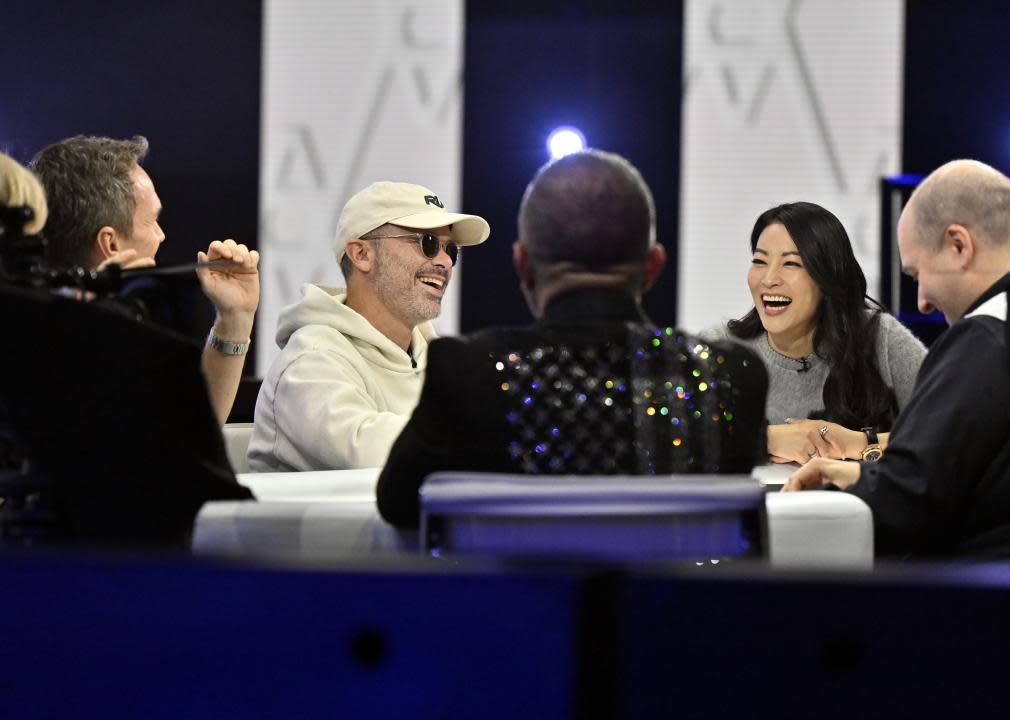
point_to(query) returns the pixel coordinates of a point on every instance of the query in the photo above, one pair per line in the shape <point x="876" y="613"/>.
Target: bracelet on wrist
<point x="227" y="347"/>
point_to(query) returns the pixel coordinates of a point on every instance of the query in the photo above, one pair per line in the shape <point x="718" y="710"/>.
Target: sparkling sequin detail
<point x="660" y="402"/>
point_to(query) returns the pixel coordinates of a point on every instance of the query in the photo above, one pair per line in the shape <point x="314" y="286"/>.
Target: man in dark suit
<point x="593" y="387"/>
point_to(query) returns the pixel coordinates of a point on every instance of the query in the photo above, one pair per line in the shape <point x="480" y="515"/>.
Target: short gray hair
<point x="88" y="185"/>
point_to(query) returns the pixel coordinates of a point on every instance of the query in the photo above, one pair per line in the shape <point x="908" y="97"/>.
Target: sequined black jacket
<point x="594" y="387"/>
<point x="943" y="484"/>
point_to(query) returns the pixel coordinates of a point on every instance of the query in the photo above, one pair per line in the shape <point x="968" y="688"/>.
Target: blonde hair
<point x="19" y="187"/>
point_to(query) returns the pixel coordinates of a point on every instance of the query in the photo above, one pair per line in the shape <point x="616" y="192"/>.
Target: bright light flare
<point x="565" y="141"/>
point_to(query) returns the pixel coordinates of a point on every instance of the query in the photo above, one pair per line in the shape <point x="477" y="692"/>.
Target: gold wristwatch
<point x="873" y="450"/>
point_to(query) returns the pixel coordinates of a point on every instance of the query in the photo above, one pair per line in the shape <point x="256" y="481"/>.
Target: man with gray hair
<point x="594" y="387"/>
<point x="103" y="209"/>
<point x="352" y="361"/>
<point x="942" y="486"/>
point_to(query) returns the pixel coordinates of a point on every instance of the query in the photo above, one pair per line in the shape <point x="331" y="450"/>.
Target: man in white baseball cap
<point x="352" y="360"/>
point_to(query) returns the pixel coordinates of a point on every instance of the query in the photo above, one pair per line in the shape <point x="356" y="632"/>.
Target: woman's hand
<point x="797" y="441"/>
<point x="845" y="443"/>
<point x="801" y="440"/>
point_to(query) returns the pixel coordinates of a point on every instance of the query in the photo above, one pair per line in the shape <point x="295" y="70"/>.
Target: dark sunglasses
<point x="430" y="244"/>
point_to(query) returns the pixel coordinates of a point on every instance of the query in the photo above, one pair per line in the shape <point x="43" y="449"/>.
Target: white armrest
<point x="819" y="528"/>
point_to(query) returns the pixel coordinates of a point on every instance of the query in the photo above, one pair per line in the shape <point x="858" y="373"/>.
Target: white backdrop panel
<point x="353" y="91"/>
<point x="785" y="100"/>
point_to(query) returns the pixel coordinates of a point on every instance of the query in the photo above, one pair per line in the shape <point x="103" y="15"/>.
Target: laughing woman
<point x="840" y="368"/>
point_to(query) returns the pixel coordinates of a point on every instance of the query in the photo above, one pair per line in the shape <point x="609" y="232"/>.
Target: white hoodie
<point x="340" y="391"/>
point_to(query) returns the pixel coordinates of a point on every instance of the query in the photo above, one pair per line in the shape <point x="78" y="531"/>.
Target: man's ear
<point x="527" y="278"/>
<point x="361" y="254"/>
<point x="960" y="240"/>
<point x="655" y="261"/>
<point x="521" y="261"/>
<point x="108" y="242"/>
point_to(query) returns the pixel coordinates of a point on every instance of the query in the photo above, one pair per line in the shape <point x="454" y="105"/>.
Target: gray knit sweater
<point x="793" y="394"/>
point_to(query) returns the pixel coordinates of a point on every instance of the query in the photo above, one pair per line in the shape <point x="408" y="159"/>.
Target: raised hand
<point x="234" y="290"/>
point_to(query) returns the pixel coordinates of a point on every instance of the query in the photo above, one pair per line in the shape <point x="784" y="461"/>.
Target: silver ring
<point x="813" y="454"/>
<point x="823" y="431"/>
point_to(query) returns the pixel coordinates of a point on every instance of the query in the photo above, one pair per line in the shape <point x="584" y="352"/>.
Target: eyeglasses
<point x="430" y="244"/>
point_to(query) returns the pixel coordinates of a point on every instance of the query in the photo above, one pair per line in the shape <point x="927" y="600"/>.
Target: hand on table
<point x="819" y="472"/>
<point x="802" y="440"/>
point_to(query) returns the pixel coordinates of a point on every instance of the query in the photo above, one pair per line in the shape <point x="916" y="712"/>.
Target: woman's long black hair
<point x="855" y="394"/>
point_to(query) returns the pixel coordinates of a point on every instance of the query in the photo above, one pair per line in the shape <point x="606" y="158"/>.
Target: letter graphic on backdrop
<point x="784" y="100"/>
<point x="353" y="92"/>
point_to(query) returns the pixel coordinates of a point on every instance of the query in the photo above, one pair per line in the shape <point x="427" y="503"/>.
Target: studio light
<point x="565" y="141"/>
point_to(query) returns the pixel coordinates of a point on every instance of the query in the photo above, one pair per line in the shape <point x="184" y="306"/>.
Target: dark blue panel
<point x="919" y="644"/>
<point x="94" y="638"/>
<point x="956" y="103"/>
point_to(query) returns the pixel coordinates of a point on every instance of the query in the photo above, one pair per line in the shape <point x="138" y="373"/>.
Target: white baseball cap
<point x="411" y="206"/>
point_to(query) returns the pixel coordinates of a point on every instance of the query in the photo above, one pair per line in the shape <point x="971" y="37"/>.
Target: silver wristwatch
<point x="227" y="347"/>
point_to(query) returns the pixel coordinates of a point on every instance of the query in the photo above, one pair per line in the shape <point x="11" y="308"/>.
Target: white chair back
<point x="236" y="444"/>
<point x="597" y="517"/>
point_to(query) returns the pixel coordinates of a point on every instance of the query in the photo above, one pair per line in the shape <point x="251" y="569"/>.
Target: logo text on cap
<point x="433" y="200"/>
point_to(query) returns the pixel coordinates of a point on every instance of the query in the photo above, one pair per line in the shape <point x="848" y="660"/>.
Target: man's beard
<point x="397" y="287"/>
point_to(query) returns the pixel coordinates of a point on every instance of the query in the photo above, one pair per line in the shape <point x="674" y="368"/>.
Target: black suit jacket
<point x="593" y="388"/>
